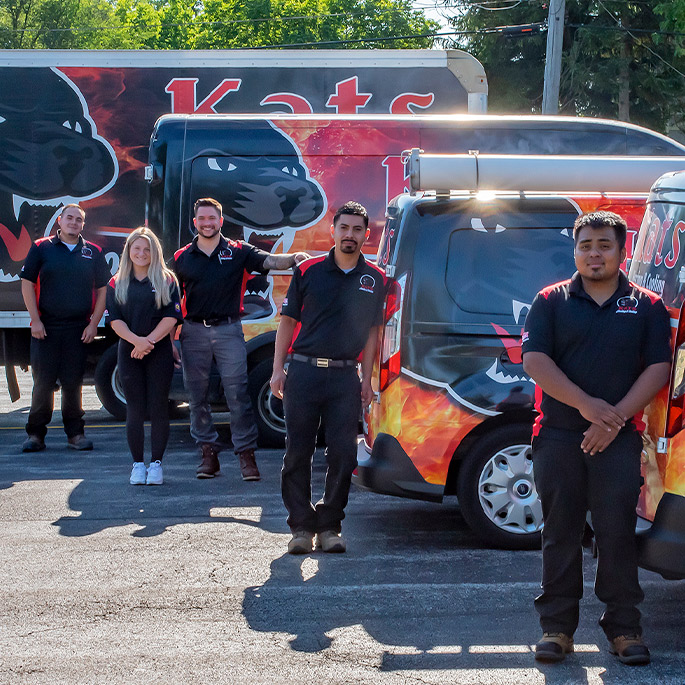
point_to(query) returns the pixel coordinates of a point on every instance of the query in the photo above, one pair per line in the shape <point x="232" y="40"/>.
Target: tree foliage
<point x="210" y="24"/>
<point x="615" y="62"/>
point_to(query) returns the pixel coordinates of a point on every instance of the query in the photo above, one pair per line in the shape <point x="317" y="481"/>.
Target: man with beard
<point x="598" y="348"/>
<point x="64" y="286"/>
<point x="331" y="314"/>
<point x="210" y="272"/>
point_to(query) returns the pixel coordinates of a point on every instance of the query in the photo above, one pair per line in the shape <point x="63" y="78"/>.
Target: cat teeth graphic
<point x="18" y="201"/>
<point x="500" y="376"/>
<point x="477" y="225"/>
<point x="7" y="278"/>
<point x="518" y="307"/>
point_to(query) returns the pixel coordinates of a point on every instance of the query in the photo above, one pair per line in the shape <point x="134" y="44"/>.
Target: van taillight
<point x="392" y="329"/>
<point x="674" y="416"/>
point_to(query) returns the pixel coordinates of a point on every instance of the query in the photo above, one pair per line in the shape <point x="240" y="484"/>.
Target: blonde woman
<point x="143" y="309"/>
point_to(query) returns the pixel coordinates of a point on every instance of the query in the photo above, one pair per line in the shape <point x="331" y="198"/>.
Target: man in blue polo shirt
<point x="330" y="316"/>
<point x="598" y="349"/>
<point x="64" y="285"/>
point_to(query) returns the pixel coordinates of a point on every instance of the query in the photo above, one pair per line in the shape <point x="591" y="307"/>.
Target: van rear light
<point x="676" y="398"/>
<point x="392" y="331"/>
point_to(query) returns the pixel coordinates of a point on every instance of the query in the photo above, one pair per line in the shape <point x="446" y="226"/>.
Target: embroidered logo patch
<point x="626" y="305"/>
<point x="524" y="336"/>
<point x="226" y="254"/>
<point x="86" y="252"/>
<point x="367" y="283"/>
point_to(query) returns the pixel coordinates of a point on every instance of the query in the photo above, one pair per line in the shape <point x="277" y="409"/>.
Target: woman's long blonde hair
<point x="161" y="278"/>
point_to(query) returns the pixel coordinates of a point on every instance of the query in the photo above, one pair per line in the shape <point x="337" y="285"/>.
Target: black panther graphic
<point x="266" y="199"/>
<point x="50" y="155"/>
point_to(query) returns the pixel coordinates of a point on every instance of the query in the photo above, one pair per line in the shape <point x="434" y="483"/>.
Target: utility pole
<point x="555" y="35"/>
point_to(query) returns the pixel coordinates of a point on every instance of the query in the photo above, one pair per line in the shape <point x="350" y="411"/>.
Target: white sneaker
<point x="154" y="473"/>
<point x="137" y="473"/>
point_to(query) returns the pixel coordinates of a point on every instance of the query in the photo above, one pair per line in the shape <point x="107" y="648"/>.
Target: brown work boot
<point x="209" y="466"/>
<point x="553" y="647"/>
<point x="248" y="465"/>
<point x="79" y="442"/>
<point x="630" y="649"/>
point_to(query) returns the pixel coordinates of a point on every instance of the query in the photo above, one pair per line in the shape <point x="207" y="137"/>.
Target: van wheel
<point x="496" y="490"/>
<point x="107" y="385"/>
<point x="268" y="408"/>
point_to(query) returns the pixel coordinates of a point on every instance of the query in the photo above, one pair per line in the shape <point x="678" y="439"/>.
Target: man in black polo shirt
<point x="211" y="271"/>
<point x="598" y="349"/>
<point x="330" y="315"/>
<point x="64" y="285"/>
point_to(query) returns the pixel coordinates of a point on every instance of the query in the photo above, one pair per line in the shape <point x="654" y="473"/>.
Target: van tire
<point x="107" y="385"/>
<point x="268" y="410"/>
<point x="496" y="490"/>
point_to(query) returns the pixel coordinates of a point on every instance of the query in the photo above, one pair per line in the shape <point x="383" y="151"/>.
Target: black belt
<point x="212" y="322"/>
<point x="322" y="362"/>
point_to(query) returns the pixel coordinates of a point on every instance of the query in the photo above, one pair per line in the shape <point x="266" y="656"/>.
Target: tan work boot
<point x="331" y="541"/>
<point x="302" y="542"/>
<point x="209" y="466"/>
<point x="248" y="465"/>
<point x="553" y="647"/>
<point x="630" y="649"/>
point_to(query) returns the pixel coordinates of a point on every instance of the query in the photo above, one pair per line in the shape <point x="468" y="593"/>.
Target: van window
<point x="386" y="248"/>
<point x="500" y="263"/>
<point x="659" y="260"/>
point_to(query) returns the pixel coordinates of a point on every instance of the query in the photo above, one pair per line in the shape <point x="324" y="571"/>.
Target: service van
<point x="659" y="264"/>
<point x="454" y="409"/>
<point x="281" y="177"/>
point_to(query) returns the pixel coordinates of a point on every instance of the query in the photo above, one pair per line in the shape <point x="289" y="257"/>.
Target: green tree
<point x="615" y="63"/>
<point x="209" y="24"/>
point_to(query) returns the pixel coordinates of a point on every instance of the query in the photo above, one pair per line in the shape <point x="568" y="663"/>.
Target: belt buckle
<point x="322" y="363"/>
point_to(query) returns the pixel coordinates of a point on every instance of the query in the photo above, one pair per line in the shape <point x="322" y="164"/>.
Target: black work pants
<point x="60" y="356"/>
<point x="146" y="383"/>
<point x="569" y="483"/>
<point x="313" y="394"/>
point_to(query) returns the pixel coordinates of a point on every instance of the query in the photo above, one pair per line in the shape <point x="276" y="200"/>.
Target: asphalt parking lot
<point x="190" y="583"/>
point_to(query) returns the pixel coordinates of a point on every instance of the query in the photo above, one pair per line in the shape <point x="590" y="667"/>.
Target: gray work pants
<point x="226" y="345"/>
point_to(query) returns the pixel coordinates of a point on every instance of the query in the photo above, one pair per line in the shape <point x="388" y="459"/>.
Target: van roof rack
<point x="475" y="172"/>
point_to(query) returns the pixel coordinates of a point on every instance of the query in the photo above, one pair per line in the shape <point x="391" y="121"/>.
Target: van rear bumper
<point x="662" y="546"/>
<point x="389" y="470"/>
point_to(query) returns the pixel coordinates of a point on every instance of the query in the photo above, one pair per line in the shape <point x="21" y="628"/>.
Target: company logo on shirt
<point x="367" y="283"/>
<point x="225" y="255"/>
<point x="177" y="307"/>
<point x="285" y="301"/>
<point x="626" y="305"/>
<point x="86" y="252"/>
<point x="524" y="336"/>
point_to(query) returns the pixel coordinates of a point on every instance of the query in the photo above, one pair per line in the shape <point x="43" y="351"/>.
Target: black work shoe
<point x="331" y="541"/>
<point x="248" y="465"/>
<point x="33" y="444"/>
<point x="553" y="647"/>
<point x="209" y="466"/>
<point x="80" y="442"/>
<point x="302" y="542"/>
<point x="630" y="649"/>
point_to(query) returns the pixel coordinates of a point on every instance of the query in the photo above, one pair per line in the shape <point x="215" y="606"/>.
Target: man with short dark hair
<point x="598" y="349"/>
<point x="330" y="316"/>
<point x="210" y="271"/>
<point x="64" y="285"/>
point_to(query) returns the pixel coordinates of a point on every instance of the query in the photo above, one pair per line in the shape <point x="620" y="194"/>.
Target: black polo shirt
<point x="214" y="286"/>
<point x="66" y="280"/>
<point x="603" y="350"/>
<point x="335" y="310"/>
<point x="140" y="312"/>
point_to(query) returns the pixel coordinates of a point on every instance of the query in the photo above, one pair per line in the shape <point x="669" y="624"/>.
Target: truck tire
<point x="107" y="385"/>
<point x="267" y="408"/>
<point x="496" y="490"/>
